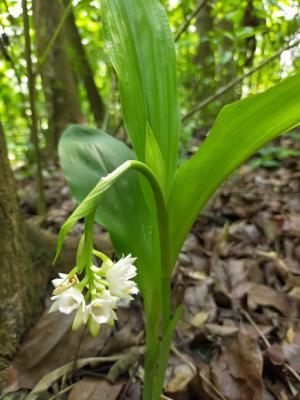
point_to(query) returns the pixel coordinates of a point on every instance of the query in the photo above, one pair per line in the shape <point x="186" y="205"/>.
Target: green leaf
<point x="86" y="155"/>
<point x="90" y="203"/>
<point x="154" y="158"/>
<point x="164" y="352"/>
<point x="239" y="131"/>
<point x="143" y="55"/>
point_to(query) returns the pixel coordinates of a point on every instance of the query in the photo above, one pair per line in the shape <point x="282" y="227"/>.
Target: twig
<point x="235" y="81"/>
<point x="34" y="121"/>
<point x="252" y="322"/>
<point x="54" y="37"/>
<point x="189" y="20"/>
<point x="292" y="371"/>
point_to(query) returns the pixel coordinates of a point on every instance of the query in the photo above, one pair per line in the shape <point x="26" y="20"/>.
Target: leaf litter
<point x="238" y="276"/>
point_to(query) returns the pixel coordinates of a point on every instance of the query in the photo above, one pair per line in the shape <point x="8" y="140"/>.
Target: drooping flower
<point x="67" y="301"/>
<point x="81" y="317"/>
<point x="119" y="277"/>
<point x="101" y="309"/>
<point x="63" y="283"/>
<point x="59" y="281"/>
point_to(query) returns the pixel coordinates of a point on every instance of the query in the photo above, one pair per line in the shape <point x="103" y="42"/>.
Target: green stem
<point x="153" y="353"/>
<point x="87" y="207"/>
<point x="88" y="247"/>
<point x="163" y="226"/>
<point x="152" y="346"/>
<point x="103" y="257"/>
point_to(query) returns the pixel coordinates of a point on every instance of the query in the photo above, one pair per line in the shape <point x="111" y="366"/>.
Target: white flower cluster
<point x="105" y="287"/>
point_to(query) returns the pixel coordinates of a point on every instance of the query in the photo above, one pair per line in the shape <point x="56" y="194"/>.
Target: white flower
<point x="58" y="281"/>
<point x="102" y="308"/>
<point x="63" y="283"/>
<point x="119" y="277"/>
<point x="81" y="317"/>
<point x="68" y="301"/>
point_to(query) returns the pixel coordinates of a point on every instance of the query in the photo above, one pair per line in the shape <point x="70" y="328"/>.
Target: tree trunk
<point x="253" y="21"/>
<point x="84" y="72"/>
<point x="205" y="59"/>
<point x="58" y="80"/>
<point x="227" y="68"/>
<point x="20" y="291"/>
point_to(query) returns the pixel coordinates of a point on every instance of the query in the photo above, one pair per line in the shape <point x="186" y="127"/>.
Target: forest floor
<point x="238" y="276"/>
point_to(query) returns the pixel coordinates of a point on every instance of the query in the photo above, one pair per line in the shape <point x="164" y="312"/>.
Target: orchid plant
<point x="146" y="203"/>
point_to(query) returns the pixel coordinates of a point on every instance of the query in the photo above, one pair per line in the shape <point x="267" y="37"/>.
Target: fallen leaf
<point x="196" y="297"/>
<point x="221" y="330"/>
<point x="237" y="373"/>
<point x="292" y="355"/>
<point x="181" y="375"/>
<point x="95" y="389"/>
<point x="262" y="295"/>
<point x="199" y="319"/>
<point x="275" y="354"/>
<point x="47" y="380"/>
<point x="292" y="225"/>
<point x="51" y="344"/>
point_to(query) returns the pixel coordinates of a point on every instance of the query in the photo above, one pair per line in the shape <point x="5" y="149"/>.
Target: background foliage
<point x="222" y="42"/>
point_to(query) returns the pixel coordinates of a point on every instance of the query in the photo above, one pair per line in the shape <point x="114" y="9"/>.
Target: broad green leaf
<point x="143" y="55"/>
<point x="239" y="131"/>
<point x="86" y="155"/>
<point x="91" y="202"/>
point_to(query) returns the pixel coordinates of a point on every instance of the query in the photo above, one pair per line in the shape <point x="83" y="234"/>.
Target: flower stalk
<point x="106" y="286"/>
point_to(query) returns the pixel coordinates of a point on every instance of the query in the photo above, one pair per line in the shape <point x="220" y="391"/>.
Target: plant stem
<point x="88" y="245"/>
<point x="163" y="225"/>
<point x="156" y="347"/>
<point x="32" y="100"/>
<point x="152" y="361"/>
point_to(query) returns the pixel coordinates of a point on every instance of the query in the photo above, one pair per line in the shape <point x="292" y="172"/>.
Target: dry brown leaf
<point x="262" y="295"/>
<point x="292" y="355"/>
<point x="190" y="244"/>
<point x="95" y="389"/>
<point x="237" y="373"/>
<point x="199" y="319"/>
<point x="50" y="345"/>
<point x="196" y="297"/>
<point x="275" y="354"/>
<point x="292" y="225"/>
<point x="221" y="330"/>
<point x="192" y="274"/>
<point x="182" y="375"/>
<point x="53" y="376"/>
